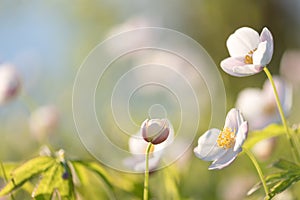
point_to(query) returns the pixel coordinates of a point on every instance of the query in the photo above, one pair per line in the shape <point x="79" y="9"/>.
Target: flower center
<point x="226" y="138"/>
<point x="248" y="58"/>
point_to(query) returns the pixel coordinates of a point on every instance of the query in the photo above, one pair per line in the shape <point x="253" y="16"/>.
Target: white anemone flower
<point x="10" y="83"/>
<point x="259" y="106"/>
<point x="249" y="52"/>
<point x="222" y="147"/>
<point x="137" y="147"/>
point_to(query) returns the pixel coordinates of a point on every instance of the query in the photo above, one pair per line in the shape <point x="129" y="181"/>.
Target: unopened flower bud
<point x="155" y="130"/>
<point x="10" y="83"/>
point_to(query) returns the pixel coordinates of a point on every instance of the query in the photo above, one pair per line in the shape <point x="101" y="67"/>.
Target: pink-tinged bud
<point x="155" y="130"/>
<point x="10" y="83"/>
<point x="44" y="121"/>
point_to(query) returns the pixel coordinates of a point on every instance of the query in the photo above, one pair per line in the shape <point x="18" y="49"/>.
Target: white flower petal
<point x="242" y="41"/>
<point x="229" y="65"/>
<point x="267" y="36"/>
<point x="207" y="148"/>
<point x="138" y="164"/>
<point x="137" y="144"/>
<point x="168" y="141"/>
<point x="225" y="160"/>
<point x="236" y="66"/>
<point x="153" y="164"/>
<point x="234" y="119"/>
<point x="241" y="135"/>
<point x="247" y="70"/>
<point x="259" y="56"/>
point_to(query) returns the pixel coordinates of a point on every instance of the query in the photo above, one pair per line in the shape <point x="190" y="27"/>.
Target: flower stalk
<point x="258" y="169"/>
<point x="293" y="140"/>
<point x="146" y="181"/>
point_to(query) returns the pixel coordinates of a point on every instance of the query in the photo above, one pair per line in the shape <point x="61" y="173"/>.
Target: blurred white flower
<point x="44" y="121"/>
<point x="290" y="66"/>
<point x="249" y="52"/>
<point x="264" y="149"/>
<point x="10" y="83"/>
<point x="259" y="106"/>
<point x="236" y="187"/>
<point x="157" y="64"/>
<point x="130" y="24"/>
<point x="260" y="109"/>
<point x="137" y="147"/>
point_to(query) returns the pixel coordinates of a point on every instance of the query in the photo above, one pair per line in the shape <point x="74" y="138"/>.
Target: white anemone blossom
<point x="222" y="147"/>
<point x="249" y="52"/>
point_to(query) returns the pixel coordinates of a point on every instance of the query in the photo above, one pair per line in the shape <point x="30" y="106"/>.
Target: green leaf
<point x="56" y="178"/>
<point x="88" y="183"/>
<point x="96" y="168"/>
<point x="282" y="185"/>
<point x="278" y="182"/>
<point x="171" y="179"/>
<point x="8" y="168"/>
<point x="27" y="171"/>
<point x="108" y="182"/>
<point x="272" y="130"/>
<point x="286" y="165"/>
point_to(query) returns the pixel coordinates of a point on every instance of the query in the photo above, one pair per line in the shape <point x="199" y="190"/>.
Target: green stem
<point x="146" y="182"/>
<point x="293" y="141"/>
<point x="258" y="169"/>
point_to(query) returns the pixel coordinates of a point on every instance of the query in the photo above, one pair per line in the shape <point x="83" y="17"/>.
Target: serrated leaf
<point x="55" y="180"/>
<point x="270" y="180"/>
<point x="96" y="168"/>
<point x="89" y="184"/>
<point x="27" y="171"/>
<point x="272" y="130"/>
<point x="282" y="185"/>
<point x="278" y="182"/>
<point x="286" y="165"/>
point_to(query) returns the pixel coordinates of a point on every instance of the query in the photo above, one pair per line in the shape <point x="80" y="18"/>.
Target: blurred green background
<point x="48" y="40"/>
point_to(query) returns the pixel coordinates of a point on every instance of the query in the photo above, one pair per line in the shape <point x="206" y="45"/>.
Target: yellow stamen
<point x="226" y="138"/>
<point x="248" y="58"/>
